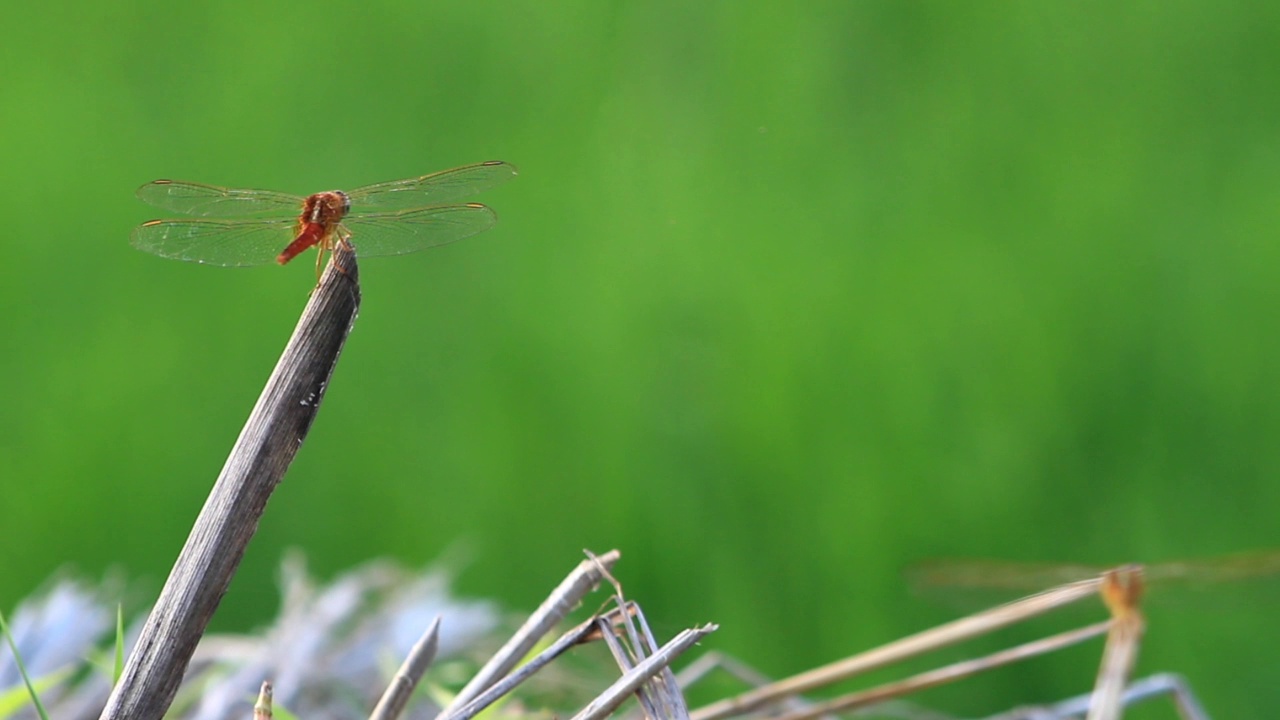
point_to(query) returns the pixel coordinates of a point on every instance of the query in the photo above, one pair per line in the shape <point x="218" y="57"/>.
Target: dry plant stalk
<point x="908" y="647"/>
<point x="396" y="697"/>
<point x="554" y="609"/>
<point x="1120" y="589"/>
<point x="645" y="666"/>
<point x="262" y="708"/>
<point x="267" y="445"/>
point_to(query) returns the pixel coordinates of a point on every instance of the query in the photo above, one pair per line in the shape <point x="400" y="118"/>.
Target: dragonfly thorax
<point x="325" y="208"/>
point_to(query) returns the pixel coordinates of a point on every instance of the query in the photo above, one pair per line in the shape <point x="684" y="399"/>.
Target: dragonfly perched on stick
<point x="238" y="228"/>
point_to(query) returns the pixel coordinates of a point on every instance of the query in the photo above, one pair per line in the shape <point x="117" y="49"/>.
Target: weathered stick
<point x="258" y="461"/>
<point x="628" y="684"/>
<point x="1122" y="592"/>
<point x="949" y="673"/>
<point x="560" y="603"/>
<point x="509" y="682"/>
<point x="396" y="697"/>
<point x="898" y="650"/>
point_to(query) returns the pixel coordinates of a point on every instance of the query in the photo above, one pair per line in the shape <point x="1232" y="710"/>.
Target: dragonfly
<point x="232" y="227"/>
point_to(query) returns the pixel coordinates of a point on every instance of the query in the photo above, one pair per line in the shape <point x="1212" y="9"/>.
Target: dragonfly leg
<point x="343" y="238"/>
<point x="319" y="261"/>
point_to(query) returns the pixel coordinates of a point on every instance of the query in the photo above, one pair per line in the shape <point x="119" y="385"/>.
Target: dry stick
<point x="1184" y="700"/>
<point x="951" y="673"/>
<point x="261" y="455"/>
<point x="661" y="696"/>
<point x="910" y="646"/>
<point x="588" y="631"/>
<point x="573" y="637"/>
<point x="626" y="656"/>
<point x="625" y="686"/>
<point x="396" y="696"/>
<point x="562" y="600"/>
<point x="262" y="708"/>
<point x="1122" y="592"/>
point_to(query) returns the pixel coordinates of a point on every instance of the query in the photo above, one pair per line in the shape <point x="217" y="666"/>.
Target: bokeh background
<point x="785" y="299"/>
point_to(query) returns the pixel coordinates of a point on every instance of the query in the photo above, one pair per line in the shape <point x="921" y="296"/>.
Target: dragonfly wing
<point x="229" y="243"/>
<point x="186" y="198"/>
<point x="413" y="230"/>
<point x="956" y="574"/>
<point x="438" y="188"/>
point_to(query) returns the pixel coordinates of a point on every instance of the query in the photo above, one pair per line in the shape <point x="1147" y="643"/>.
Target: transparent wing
<point x="187" y="198"/>
<point x="439" y="188"/>
<point x="1000" y="575"/>
<point x="229" y="243"/>
<point x="962" y="574"/>
<point x="413" y="230"/>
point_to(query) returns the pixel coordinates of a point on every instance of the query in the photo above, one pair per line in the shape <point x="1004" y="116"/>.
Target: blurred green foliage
<point x="784" y="299"/>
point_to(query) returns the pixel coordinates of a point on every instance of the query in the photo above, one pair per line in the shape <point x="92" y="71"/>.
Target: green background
<point x="785" y="299"/>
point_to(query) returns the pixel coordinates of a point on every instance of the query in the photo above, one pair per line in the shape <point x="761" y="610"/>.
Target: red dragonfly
<point x="238" y="228"/>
